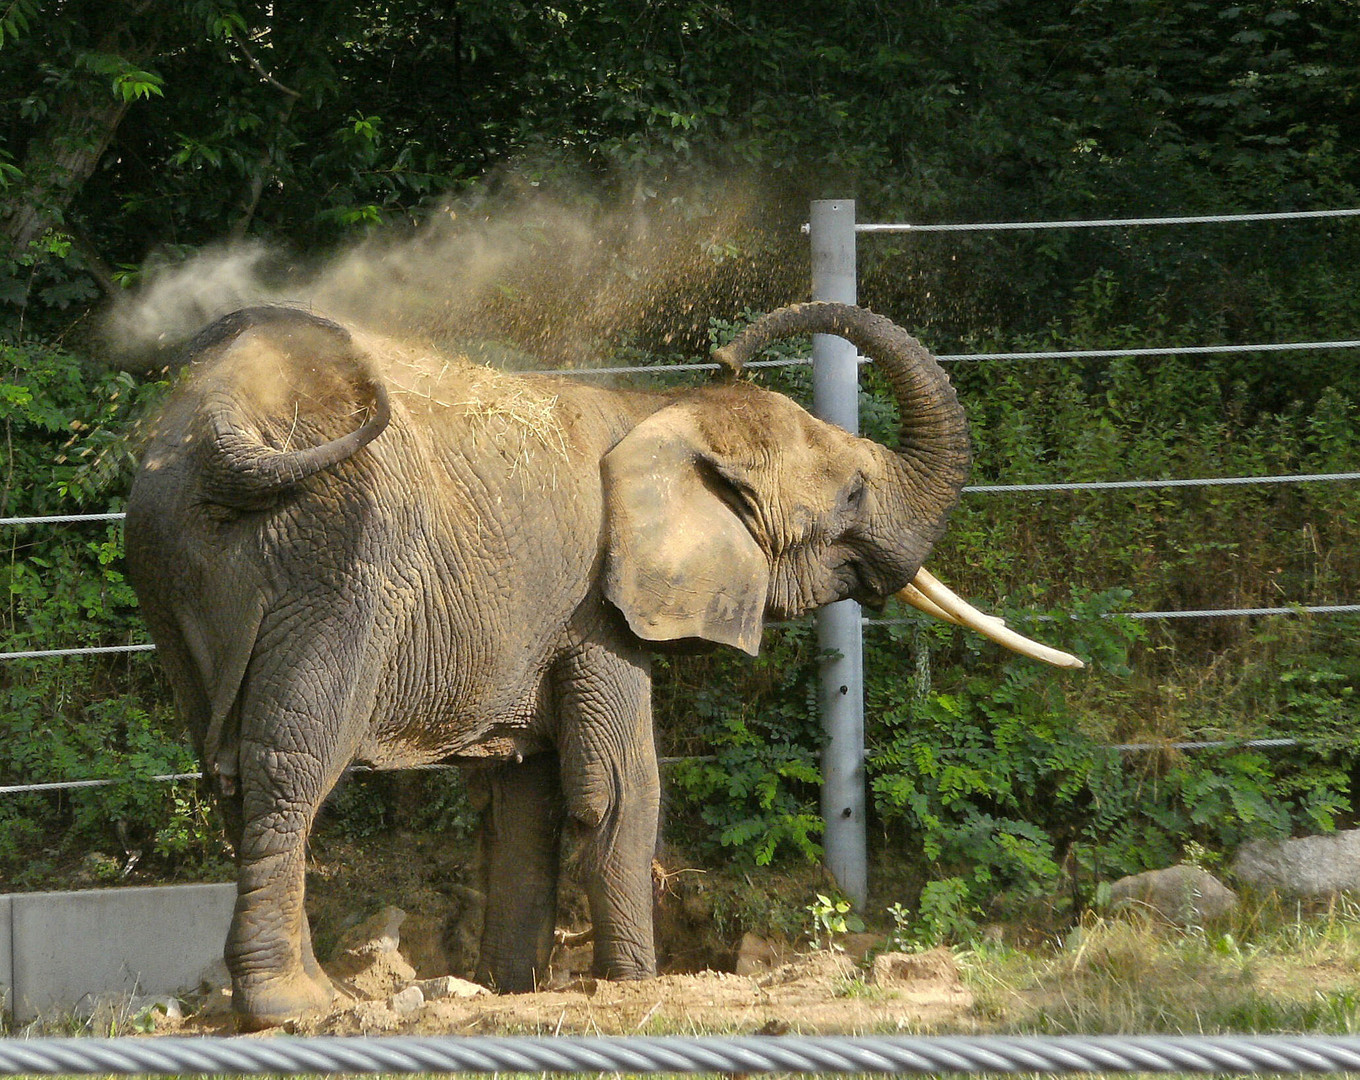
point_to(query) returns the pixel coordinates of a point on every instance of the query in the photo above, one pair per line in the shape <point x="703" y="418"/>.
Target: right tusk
<point x="943" y="603"/>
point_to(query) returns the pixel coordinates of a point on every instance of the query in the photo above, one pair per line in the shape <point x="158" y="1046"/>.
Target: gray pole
<point x="835" y="398"/>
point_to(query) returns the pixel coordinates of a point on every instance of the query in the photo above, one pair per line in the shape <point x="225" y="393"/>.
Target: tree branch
<point x="262" y="72"/>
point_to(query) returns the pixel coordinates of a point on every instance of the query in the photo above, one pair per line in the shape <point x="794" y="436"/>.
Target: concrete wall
<point x="59" y="952"/>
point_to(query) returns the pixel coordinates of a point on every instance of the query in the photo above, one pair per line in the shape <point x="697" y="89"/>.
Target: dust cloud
<point x="515" y="280"/>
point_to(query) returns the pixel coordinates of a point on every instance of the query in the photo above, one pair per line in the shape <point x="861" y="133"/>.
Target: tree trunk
<point x="64" y="155"/>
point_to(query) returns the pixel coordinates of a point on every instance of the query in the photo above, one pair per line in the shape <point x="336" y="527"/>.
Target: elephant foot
<point x="615" y="970"/>
<point x="266" y="1003"/>
<point x="508" y="979"/>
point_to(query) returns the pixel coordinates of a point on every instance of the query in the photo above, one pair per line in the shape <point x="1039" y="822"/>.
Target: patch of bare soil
<point x="402" y="968"/>
<point x="396" y="918"/>
<point x="813" y="993"/>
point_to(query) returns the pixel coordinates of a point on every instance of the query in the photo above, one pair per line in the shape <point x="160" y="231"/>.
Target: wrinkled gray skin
<point x="340" y="566"/>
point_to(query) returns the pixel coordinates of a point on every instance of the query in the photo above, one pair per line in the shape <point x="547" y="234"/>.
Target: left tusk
<point x="930" y="595"/>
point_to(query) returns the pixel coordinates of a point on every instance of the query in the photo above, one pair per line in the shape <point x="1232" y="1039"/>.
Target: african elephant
<point x="349" y="551"/>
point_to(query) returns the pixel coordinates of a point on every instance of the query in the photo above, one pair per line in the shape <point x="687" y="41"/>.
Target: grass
<point x="1268" y="970"/>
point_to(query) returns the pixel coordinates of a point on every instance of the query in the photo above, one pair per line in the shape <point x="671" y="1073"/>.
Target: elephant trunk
<point x="245" y="471"/>
<point x="933" y="446"/>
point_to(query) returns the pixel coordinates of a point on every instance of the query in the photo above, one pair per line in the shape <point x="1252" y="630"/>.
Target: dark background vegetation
<point x="138" y="133"/>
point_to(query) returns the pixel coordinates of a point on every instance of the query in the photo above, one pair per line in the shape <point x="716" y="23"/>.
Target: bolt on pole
<point x="835" y="394"/>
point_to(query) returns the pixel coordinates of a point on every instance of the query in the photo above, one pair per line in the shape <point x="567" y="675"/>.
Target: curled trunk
<point x="933" y="446"/>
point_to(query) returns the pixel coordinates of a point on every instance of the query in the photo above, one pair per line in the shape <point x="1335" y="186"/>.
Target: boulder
<point x="757" y="955"/>
<point x="1310" y="866"/>
<point x="408" y="1002"/>
<point x="369" y="962"/>
<point x="936" y="966"/>
<point x="1183" y="894"/>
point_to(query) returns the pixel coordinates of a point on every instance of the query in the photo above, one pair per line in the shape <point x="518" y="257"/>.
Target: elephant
<point x="350" y="550"/>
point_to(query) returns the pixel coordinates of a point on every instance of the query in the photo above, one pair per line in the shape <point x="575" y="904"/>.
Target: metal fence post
<point x="836" y="399"/>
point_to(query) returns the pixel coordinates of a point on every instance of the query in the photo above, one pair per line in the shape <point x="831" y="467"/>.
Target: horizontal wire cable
<point x="1100" y="223"/>
<point x="73" y="785"/>
<point x="60" y="517"/>
<point x="913" y="1054"/>
<point x="1207" y="481"/>
<point x="439" y="766"/>
<point x="1093" y="485"/>
<point x="1159" y="350"/>
<point x="953" y="358"/>
<point x="1202" y="613"/>
<point x="88" y="650"/>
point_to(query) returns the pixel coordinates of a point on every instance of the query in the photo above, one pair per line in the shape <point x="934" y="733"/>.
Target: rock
<point x="422" y="943"/>
<point x="757" y="955"/>
<point x="1183" y="894"/>
<point x="375" y="976"/>
<point x="858" y="946"/>
<point x="1308" y="866"/>
<point x="449" y="986"/>
<point x="380" y="933"/>
<point x="934" y="966"/>
<point x="369" y="962"/>
<point x="154" y="1011"/>
<point x="407" y="1002"/>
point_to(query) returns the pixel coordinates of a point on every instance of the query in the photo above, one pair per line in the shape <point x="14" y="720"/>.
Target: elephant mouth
<point x="859" y="583"/>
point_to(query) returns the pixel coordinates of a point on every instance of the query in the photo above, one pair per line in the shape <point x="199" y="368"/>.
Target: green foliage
<point x="831" y="916"/>
<point x="127" y="82"/>
<point x="15" y="19"/>
<point x="755" y="778"/>
<point x="222" y="119"/>
<point x="82" y="718"/>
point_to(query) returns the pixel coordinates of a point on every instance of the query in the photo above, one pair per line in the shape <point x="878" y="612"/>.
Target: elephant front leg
<point x="612" y="789"/>
<point x="521" y="834"/>
<point x="275" y="976"/>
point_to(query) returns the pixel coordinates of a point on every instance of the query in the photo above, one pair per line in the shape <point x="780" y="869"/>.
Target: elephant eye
<point x="854" y="494"/>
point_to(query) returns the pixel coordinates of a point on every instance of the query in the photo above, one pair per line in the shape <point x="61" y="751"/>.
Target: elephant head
<point x="734" y="505"/>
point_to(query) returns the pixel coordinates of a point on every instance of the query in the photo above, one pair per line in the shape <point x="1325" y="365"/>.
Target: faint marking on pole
<point x="835" y="393"/>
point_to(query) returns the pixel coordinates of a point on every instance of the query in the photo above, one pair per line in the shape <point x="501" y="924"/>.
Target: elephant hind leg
<point x="521" y="834"/>
<point x="275" y="974"/>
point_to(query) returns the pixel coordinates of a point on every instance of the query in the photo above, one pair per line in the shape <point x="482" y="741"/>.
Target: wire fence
<point x="730" y="1055"/>
<point x="725" y="1055"/>
<point x="975" y="489"/>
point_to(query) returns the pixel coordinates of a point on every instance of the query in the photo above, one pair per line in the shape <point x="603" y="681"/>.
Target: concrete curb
<point x="60" y="952"/>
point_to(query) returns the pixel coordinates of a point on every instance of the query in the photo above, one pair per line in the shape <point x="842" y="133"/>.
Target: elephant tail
<point x="255" y="369"/>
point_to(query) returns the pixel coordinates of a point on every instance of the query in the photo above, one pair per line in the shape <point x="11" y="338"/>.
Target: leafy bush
<point x="94" y="717"/>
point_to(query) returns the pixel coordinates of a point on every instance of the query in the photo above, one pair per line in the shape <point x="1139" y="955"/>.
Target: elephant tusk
<point x="943" y="603"/>
<point x="917" y="599"/>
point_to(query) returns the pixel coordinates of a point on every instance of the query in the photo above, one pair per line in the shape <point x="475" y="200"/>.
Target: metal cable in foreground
<point x="682" y="1054"/>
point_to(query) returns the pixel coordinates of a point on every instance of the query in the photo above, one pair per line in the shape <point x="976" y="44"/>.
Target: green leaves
<point x="128" y="82"/>
<point x="15" y="18"/>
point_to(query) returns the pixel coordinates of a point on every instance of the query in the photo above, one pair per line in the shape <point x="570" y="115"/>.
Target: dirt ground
<point x="396" y="929"/>
<point x="819" y="992"/>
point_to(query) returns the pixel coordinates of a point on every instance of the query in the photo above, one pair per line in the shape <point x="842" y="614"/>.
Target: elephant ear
<point x="680" y="563"/>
